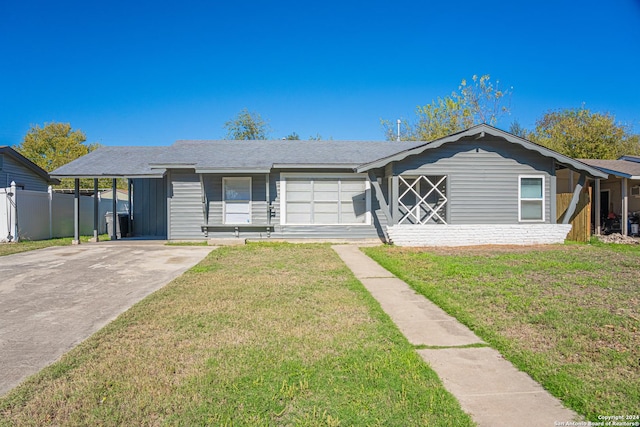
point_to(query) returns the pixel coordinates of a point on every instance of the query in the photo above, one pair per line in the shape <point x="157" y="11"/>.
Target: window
<point x="324" y="200"/>
<point x="531" y="198"/>
<point x="422" y="199"/>
<point x="237" y="200"/>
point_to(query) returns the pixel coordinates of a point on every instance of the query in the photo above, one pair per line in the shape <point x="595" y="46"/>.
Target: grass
<point x="259" y="335"/>
<point x="567" y="315"/>
<point x="30" y="245"/>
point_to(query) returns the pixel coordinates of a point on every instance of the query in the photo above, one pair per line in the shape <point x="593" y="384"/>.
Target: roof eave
<point x="232" y="170"/>
<point x="346" y="166"/>
<point x="111" y="176"/>
<point x="11" y="152"/>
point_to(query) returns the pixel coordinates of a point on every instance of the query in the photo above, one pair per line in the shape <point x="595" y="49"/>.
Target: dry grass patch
<point x="255" y="335"/>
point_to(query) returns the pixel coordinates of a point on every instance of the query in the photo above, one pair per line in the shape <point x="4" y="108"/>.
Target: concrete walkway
<point x="488" y="387"/>
<point x="52" y="299"/>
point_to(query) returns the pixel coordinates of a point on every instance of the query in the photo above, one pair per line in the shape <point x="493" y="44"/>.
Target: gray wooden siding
<point x="482" y="178"/>
<point x="185" y="207"/>
<point x="150" y="207"/>
<point x="14" y="171"/>
<point x="213" y="185"/>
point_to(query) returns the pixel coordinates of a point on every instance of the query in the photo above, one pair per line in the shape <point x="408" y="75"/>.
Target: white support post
<point x="50" y="192"/>
<point x="13" y="209"/>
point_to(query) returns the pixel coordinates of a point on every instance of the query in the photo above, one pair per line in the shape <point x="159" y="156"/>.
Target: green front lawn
<point x="257" y="335"/>
<point x="568" y="315"/>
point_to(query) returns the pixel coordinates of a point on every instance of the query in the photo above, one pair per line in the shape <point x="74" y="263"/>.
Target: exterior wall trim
<point x="478" y="234"/>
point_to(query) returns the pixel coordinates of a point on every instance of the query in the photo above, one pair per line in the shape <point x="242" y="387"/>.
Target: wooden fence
<point x="581" y="219"/>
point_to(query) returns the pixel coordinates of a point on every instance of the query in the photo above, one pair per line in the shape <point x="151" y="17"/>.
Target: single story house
<point x="14" y="167"/>
<point x="478" y="186"/>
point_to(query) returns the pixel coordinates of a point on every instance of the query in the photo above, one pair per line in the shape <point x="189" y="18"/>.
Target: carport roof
<point x="112" y="162"/>
<point x="620" y="168"/>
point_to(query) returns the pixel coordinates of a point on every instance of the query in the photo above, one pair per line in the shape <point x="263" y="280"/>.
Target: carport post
<point x="114" y="206"/>
<point x="95" y="209"/>
<point x="76" y="212"/>
<point x="625" y="207"/>
<point x="598" y="207"/>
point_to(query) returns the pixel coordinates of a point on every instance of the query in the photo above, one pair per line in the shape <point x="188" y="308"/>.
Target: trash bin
<point x="122" y="224"/>
<point x="109" y="220"/>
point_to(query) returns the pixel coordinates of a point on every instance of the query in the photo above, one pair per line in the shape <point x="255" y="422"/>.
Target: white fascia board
<point x="233" y="170"/>
<point x="164" y="166"/>
<point x="113" y="176"/>
<point x="319" y="167"/>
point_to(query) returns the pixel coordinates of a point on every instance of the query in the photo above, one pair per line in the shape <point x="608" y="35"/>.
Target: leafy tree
<point x="247" y="126"/>
<point x="54" y="145"/>
<point x="474" y="103"/>
<point x="582" y="134"/>
<point x="517" y="130"/>
<point x="292" y="137"/>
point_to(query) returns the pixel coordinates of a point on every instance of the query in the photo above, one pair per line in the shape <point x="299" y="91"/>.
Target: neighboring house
<point x="14" y="167"/>
<point x="619" y="195"/>
<point x="24" y="184"/>
<point x="479" y="186"/>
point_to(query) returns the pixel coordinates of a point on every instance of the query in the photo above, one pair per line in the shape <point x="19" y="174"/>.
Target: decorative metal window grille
<point x="423" y="199"/>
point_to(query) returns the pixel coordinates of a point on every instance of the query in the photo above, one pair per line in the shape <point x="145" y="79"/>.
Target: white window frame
<point x="225" y="201"/>
<point x="283" y="194"/>
<point x="521" y="199"/>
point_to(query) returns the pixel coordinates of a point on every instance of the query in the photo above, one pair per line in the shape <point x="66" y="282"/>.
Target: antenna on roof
<point x="398" y="130"/>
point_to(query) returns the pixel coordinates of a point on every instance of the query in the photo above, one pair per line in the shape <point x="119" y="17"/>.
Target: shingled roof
<point x="262" y="156"/>
<point x="241" y="156"/>
<point x="621" y="168"/>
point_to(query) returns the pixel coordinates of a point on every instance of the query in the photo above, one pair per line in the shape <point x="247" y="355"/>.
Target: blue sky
<point x="151" y="72"/>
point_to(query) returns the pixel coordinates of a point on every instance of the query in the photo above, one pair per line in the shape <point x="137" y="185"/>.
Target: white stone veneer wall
<point x="477" y="234"/>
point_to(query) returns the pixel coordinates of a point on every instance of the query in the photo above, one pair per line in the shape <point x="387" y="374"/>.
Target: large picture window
<point x="237" y="200"/>
<point x="324" y="200"/>
<point x="531" y="198"/>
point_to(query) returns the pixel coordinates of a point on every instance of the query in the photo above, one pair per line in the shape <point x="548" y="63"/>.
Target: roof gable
<point x="37" y="170"/>
<point x="477" y="132"/>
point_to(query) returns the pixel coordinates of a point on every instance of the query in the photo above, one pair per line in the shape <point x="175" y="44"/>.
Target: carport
<point x="132" y="164"/>
<point x="620" y="193"/>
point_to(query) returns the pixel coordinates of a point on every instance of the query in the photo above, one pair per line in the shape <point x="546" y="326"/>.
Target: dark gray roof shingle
<point x="111" y="162"/>
<point x="623" y="168"/>
<point x="211" y="155"/>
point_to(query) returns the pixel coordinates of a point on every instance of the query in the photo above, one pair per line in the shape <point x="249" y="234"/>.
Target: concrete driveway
<point x="52" y="299"/>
